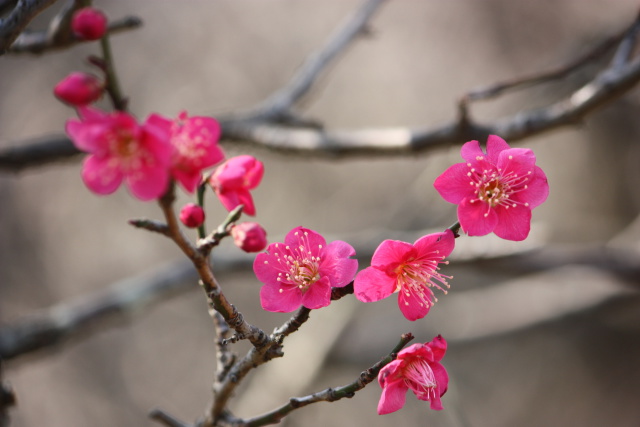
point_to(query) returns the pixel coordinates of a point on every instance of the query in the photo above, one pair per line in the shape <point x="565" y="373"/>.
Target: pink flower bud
<point x="249" y="236"/>
<point x="79" y="89"/>
<point x="192" y="215"/>
<point x="89" y="23"/>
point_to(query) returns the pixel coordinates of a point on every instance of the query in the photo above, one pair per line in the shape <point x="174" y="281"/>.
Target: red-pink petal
<point x="101" y="175"/>
<point x="537" y="189"/>
<point x="412" y="306"/>
<point x="372" y="284"/>
<point x="393" y="398"/>
<point x="188" y="179"/>
<point x="304" y="236"/>
<point x="514" y="223"/>
<point x="495" y="145"/>
<point x="337" y="265"/>
<point x="442" y="381"/>
<point x="470" y="151"/>
<point x="390" y="253"/>
<point x="229" y="199"/>
<point x="318" y="295"/>
<point x="454" y="184"/>
<point x="473" y="220"/>
<point x="272" y="299"/>
<point x="435" y="245"/>
<point x="245" y="198"/>
<point x="438" y="347"/>
<point x="516" y="161"/>
<point x="255" y="171"/>
<point x="148" y="183"/>
<point x="265" y="266"/>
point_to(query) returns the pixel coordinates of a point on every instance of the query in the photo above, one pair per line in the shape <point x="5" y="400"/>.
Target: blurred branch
<point x="327" y="395"/>
<point x="71" y="319"/>
<point x="81" y="316"/>
<point x="167" y="419"/>
<point x="41" y="41"/>
<point x="12" y="25"/>
<point x="261" y="126"/>
<point x="278" y="105"/>
<point x="7" y="399"/>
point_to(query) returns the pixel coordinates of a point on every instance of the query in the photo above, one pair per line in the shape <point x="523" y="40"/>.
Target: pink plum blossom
<point x="192" y="215"/>
<point x="249" y="236"/>
<point x="233" y="179"/>
<point x="121" y="149"/>
<point x="89" y="23"/>
<point x="302" y="271"/>
<point x="410" y="270"/>
<point x="79" y="89"/>
<point x="195" y="142"/>
<point x="417" y="368"/>
<point x="494" y="192"/>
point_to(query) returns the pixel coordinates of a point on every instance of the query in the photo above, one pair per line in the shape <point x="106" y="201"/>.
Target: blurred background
<point x="550" y="336"/>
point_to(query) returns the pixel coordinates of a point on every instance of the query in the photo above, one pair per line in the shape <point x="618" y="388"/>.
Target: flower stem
<point x="112" y="85"/>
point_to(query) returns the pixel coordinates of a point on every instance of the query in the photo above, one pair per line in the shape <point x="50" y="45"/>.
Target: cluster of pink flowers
<point x="495" y="192"/>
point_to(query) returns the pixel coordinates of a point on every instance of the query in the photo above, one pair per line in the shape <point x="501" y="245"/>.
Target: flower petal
<point x="393" y="397"/>
<point x="101" y="175"/>
<point x="495" y="145"/>
<point x="473" y="220"/>
<point x="411" y="303"/>
<point x="390" y="253"/>
<point x="148" y="183"/>
<point x="442" y="384"/>
<point x="537" y="189"/>
<point x="265" y="266"/>
<point x="516" y="162"/>
<point x="438" y="347"/>
<point x="229" y="199"/>
<point x="470" y="151"/>
<point x="306" y="237"/>
<point x="336" y="264"/>
<point x="318" y="295"/>
<point x="514" y="222"/>
<point x="244" y="197"/>
<point x="454" y="184"/>
<point x="372" y="284"/>
<point x="280" y="299"/>
<point x="436" y="245"/>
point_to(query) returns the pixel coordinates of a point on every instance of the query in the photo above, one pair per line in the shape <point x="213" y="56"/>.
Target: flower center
<point x="418" y="276"/>
<point x="299" y="266"/>
<point x="419" y="377"/>
<point x="496" y="188"/>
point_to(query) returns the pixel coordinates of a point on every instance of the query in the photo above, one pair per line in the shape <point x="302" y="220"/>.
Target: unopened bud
<point x="79" y="89"/>
<point x="192" y="215"/>
<point x="89" y="23"/>
<point x="249" y="236"/>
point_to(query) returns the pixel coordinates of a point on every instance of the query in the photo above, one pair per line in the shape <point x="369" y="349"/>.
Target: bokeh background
<point x="528" y="346"/>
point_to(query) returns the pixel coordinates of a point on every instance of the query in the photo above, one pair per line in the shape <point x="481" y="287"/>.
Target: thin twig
<point x="167" y="419"/>
<point x="212" y="240"/>
<point x="37" y="42"/>
<point x="280" y="103"/>
<point x="151" y="225"/>
<point x="327" y="395"/>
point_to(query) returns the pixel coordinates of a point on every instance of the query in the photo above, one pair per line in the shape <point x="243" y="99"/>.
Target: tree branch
<point x="37" y="42"/>
<point x="327" y="395"/>
<point x="23" y="12"/>
<point x="73" y="318"/>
